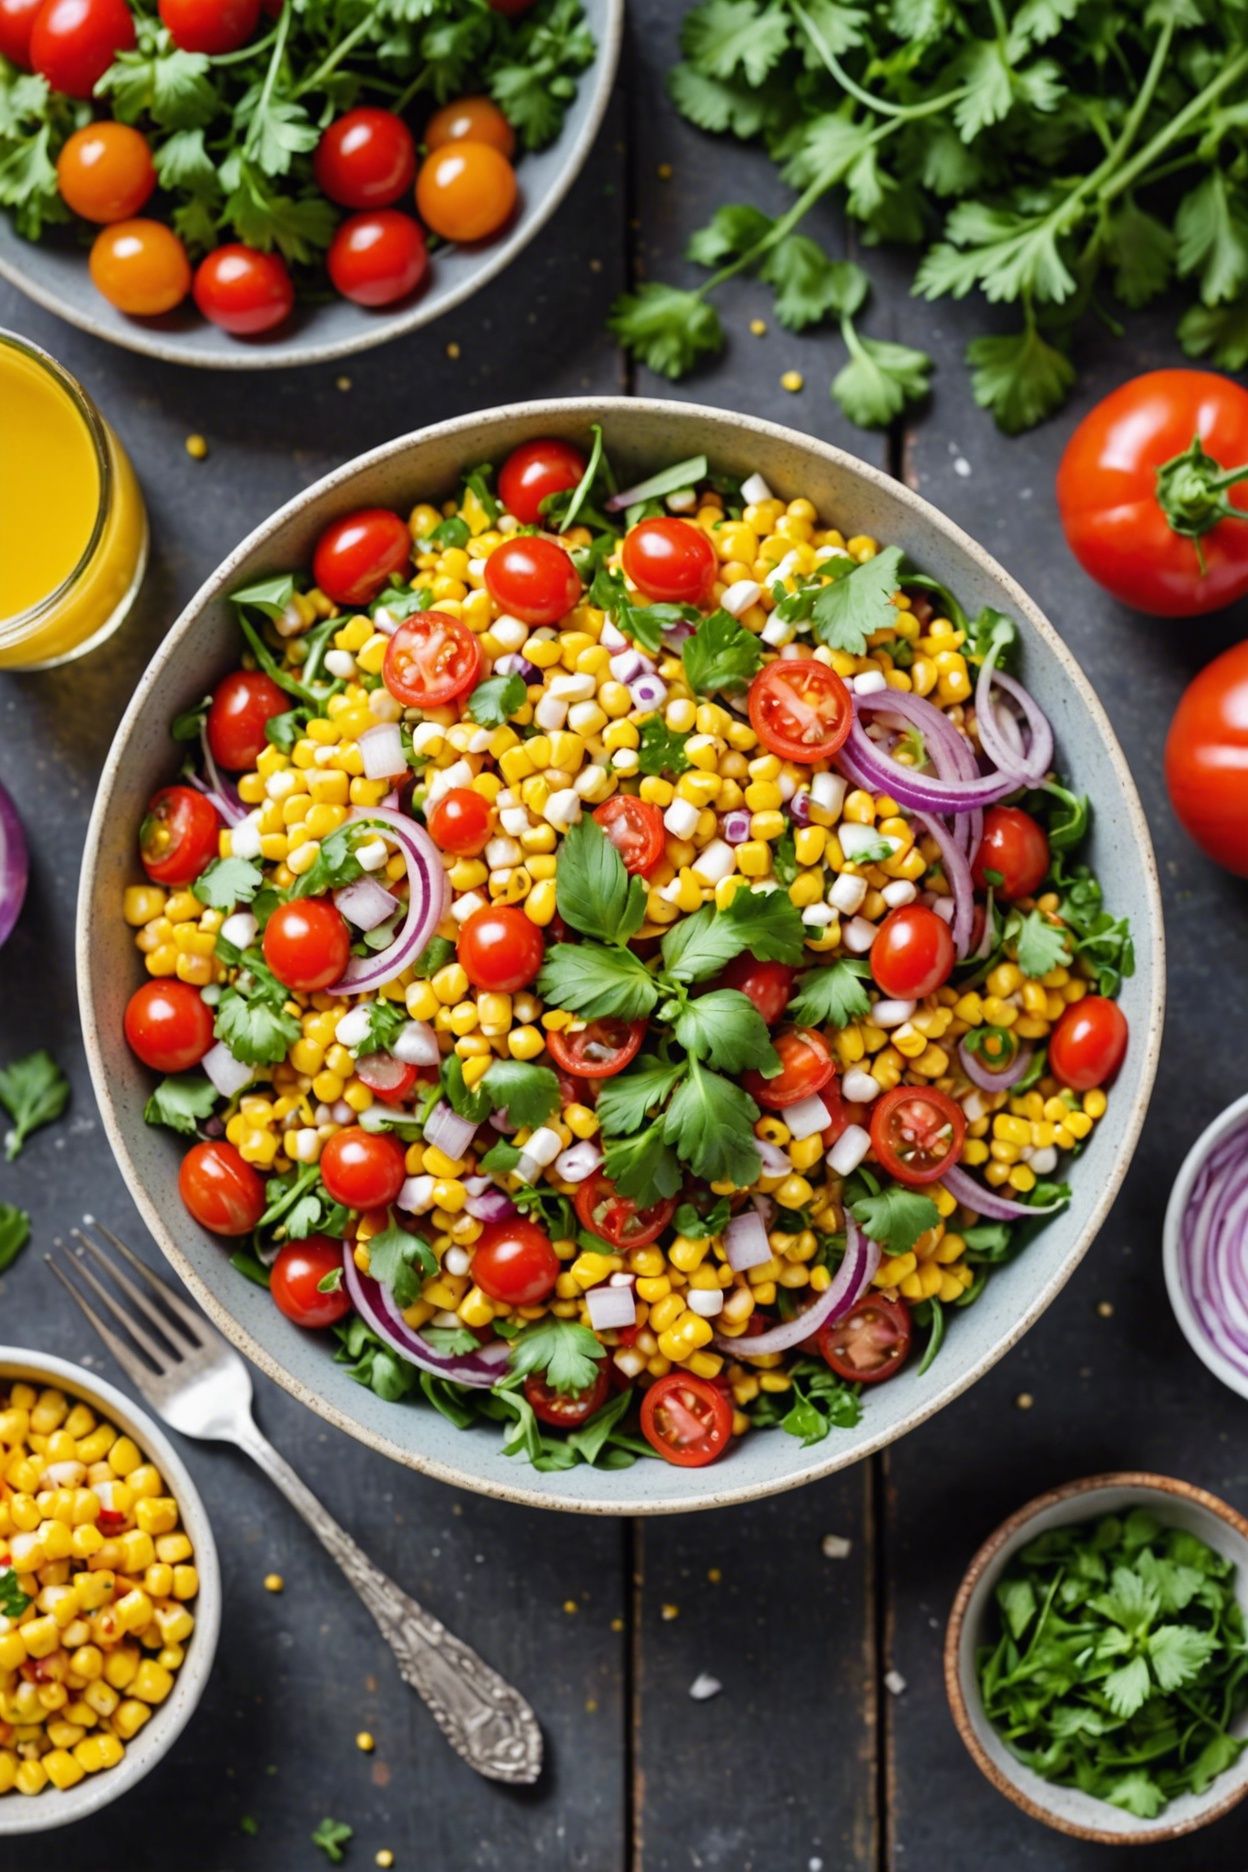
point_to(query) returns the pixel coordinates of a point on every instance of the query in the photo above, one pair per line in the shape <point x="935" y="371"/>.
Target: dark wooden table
<point x="806" y="1760"/>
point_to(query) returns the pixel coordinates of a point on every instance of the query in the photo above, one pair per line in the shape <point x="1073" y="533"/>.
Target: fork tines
<point x="161" y="1328"/>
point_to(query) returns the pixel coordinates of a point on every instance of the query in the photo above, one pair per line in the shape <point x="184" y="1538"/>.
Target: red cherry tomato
<point x="461" y="822"/>
<point x="534" y="471"/>
<point x="472" y="120"/>
<point x="378" y="257"/>
<point x="512" y="8"/>
<point x="806" y="1066"/>
<point x="430" y="660"/>
<point x="220" y="1189"/>
<point x="1131" y="469"/>
<point x="17" y="20"/>
<point x="366" y="159"/>
<point x="687" y="1420"/>
<point x="1089" y="1043"/>
<point x="242" y="703"/>
<point x="670" y="560"/>
<point x="1016" y="848"/>
<point x="533" y="579"/>
<point x="800" y="709"/>
<point x="169" y="1025"/>
<point x="912" y="954"/>
<point x="767" y="984"/>
<point x="871" y="1342"/>
<point x="356" y="555"/>
<point x="603" y="1211"/>
<point x="515" y="1262"/>
<point x="917" y="1133"/>
<point x="635" y="827"/>
<point x="465" y="191"/>
<point x="211" y="26"/>
<point x="363" y="1169"/>
<point x="140" y="267"/>
<point x="599" y="1049"/>
<point x="500" y="949"/>
<point x="105" y="171"/>
<point x="307" y="944"/>
<point x="1207" y="760"/>
<point x="566" y="1409"/>
<point x="179" y="835"/>
<point x="73" y="42"/>
<point x="243" y="291"/>
<point x="295" y="1282"/>
<point x="391" y="1079"/>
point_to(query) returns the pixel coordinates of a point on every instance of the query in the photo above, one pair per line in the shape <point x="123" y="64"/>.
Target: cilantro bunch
<point x="1051" y="155"/>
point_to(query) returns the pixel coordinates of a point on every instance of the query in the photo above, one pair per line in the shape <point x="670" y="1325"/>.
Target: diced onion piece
<point x="417" y="1045"/>
<point x="849" y="1150"/>
<point x="447" y="1131"/>
<point x="365" y="903"/>
<point x="745" y="1242"/>
<point x="610" y="1308"/>
<point x="381" y="750"/>
<point x="228" y="1074"/>
<point x="807" y="1116"/>
<point x="579" y="1161"/>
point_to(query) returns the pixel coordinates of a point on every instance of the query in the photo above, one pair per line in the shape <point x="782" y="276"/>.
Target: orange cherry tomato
<point x="471" y="120"/>
<point x="800" y="709"/>
<point x="140" y="267"/>
<point x="465" y="191"/>
<point x="105" y="172"/>
<point x="1089" y="1043"/>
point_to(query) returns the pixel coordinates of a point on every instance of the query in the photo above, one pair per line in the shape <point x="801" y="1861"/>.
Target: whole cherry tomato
<point x="687" y="1420"/>
<point x="533" y="579"/>
<point x="618" y="1219"/>
<point x="465" y="191"/>
<point x="500" y="948"/>
<point x="917" y="1133"/>
<point x="242" y="703"/>
<point x="363" y="1169"/>
<point x="534" y="471"/>
<point x="244" y="291"/>
<point x="179" y="836"/>
<point x="73" y="42"/>
<point x="377" y="257"/>
<point x="767" y="984"/>
<point x="1016" y="848"/>
<point x="295" y="1282"/>
<point x="515" y="1262"/>
<point x="169" y="1025"/>
<point x="461" y="822"/>
<point x="670" y="560"/>
<point x="806" y="1067"/>
<point x="1207" y="759"/>
<point x="472" y="120"/>
<point x="430" y="660"/>
<point x="1154" y="516"/>
<point x="800" y="709"/>
<point x="635" y="827"/>
<point x="105" y="171"/>
<point x="355" y="556"/>
<point x="912" y="955"/>
<point x="365" y="159"/>
<point x="140" y="267"/>
<point x="220" y="1188"/>
<point x="599" y="1049"/>
<point x="1089" y="1043"/>
<point x="307" y="944"/>
<point x="211" y="26"/>
<point x="17" y="21"/>
<point x="566" y="1409"/>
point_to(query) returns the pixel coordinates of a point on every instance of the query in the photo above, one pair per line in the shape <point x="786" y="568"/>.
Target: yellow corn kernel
<point x="525" y="1043"/>
<point x="475" y="1309"/>
<point x="1095" y="1105"/>
<point x="142" y="903"/>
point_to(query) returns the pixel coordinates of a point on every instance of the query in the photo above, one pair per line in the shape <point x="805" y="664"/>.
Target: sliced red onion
<point x="365" y="903"/>
<point x="799" y="806"/>
<point x="491" y="1205"/>
<point x="220" y="806"/>
<point x="228" y="1075"/>
<point x="1211" y="1248"/>
<point x="381" y="750"/>
<point x="627" y="663"/>
<point x="416" y="1044"/>
<point x="391" y="800"/>
<point x="649" y="691"/>
<point x="222" y="792"/>
<point x="579" y="1161"/>
<point x="676" y="634"/>
<point x="14" y="866"/>
<point x="428" y="893"/>
<point x="745" y="1242"/>
<point x="987" y="1202"/>
<point x="806" y="1116"/>
<point x="868" y="766"/>
<point x="1002" y="746"/>
<point x="957" y="870"/>
<point x="735" y="826"/>
<point x="775" y="1162"/>
<point x="513" y="664"/>
<point x="376" y="1308"/>
<point x="981" y="1074"/>
<point x="611" y="1308"/>
<point x="852" y="1278"/>
<point x="447" y="1131"/>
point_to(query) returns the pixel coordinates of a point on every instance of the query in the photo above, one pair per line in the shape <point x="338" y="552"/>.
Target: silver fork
<point x="198" y="1383"/>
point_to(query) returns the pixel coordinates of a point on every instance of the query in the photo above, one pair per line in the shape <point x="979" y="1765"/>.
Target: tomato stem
<point x="1191" y="491"/>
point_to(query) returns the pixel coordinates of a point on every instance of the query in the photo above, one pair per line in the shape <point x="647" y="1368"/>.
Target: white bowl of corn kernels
<point x="110" y="1593"/>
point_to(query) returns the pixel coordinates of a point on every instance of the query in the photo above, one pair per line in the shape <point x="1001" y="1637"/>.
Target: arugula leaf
<point x="833" y="995"/>
<point x="565" y="1354"/>
<point x="594" y="892"/>
<point x="895" y="1217"/>
<point x="598" y="982"/>
<point x="529" y="1092"/>
<point x="710" y="1123"/>
<point x="34" y="1091"/>
<point x="226" y="882"/>
<point x="494" y="701"/>
<point x="643" y="1166"/>
<point x="721" y="654"/>
<point x="662" y="750"/>
<point x="181" y="1102"/>
<point x="14" y="1235"/>
<point x="725" y="1028"/>
<point x="402" y="1262"/>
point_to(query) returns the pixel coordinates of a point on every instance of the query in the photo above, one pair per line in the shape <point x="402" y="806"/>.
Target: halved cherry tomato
<point x="635" y="827"/>
<point x="377" y="257"/>
<point x="105" y="171"/>
<point x="245" y="292"/>
<point x="767" y="984"/>
<point x="365" y="159"/>
<point x="73" y="42"/>
<point x="465" y="191"/>
<point x="211" y="26"/>
<point x="220" y="1188"/>
<point x="169" y="1025"/>
<point x="140" y="267"/>
<point x="461" y="822"/>
<point x="1089" y="1043"/>
<point x="1207" y="759"/>
<point x="566" y="1409"/>
<point x="535" y="470"/>
<point x="17" y="22"/>
<point x="357" y="554"/>
<point x="533" y="579"/>
<point x="242" y="703"/>
<point x="800" y="709"/>
<point x="515" y="1262"/>
<point x="687" y="1420"/>
<point x="912" y="954"/>
<point x="363" y="1169"/>
<point x="917" y="1133"/>
<point x="598" y="1050"/>
<point x="500" y="949"/>
<point x="806" y="1066"/>
<point x="1016" y="847"/>
<point x="670" y="560"/>
<point x="295" y="1282"/>
<point x="307" y="944"/>
<point x="871" y="1342"/>
<point x="603" y="1211"/>
<point x="431" y="659"/>
<point x="473" y="120"/>
<point x="179" y="835"/>
<point x="391" y="1079"/>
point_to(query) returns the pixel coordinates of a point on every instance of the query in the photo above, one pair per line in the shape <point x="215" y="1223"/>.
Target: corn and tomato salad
<point x="623" y="949"/>
<point x="97" y="1582"/>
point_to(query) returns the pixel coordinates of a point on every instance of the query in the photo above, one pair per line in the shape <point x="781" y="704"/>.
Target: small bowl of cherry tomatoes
<point x="230" y="184"/>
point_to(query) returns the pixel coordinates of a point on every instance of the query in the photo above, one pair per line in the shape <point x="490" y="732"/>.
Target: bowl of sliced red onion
<point x="1205" y="1246"/>
<point x="1048" y="716"/>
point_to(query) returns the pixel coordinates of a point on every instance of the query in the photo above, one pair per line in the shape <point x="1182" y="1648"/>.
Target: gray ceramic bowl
<point x="39" y="1813"/>
<point x="1068" y="1810"/>
<point x="203" y="644"/>
<point x="53" y="271"/>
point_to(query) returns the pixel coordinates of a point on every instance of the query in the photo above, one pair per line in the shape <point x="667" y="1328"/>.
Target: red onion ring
<point x="1004" y="748"/>
<point x="857" y="1270"/>
<point x="986" y="1202"/>
<point x="428" y="893"/>
<point x="14" y="866"/>
<point x="1211" y="1248"/>
<point x="985" y="1078"/>
<point x="375" y="1307"/>
<point x="958" y="870"/>
<point x="220" y="791"/>
<point x="867" y="765"/>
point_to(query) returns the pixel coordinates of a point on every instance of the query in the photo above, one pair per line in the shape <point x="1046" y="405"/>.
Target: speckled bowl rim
<point x="39" y="1813"/>
<point x="1148" y="1833"/>
<point x="1180" y="1194"/>
<point x="293" y="354"/>
<point x="618" y="410"/>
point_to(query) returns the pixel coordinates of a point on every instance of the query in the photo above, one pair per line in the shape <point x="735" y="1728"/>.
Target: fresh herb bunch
<point x="1121" y="1663"/>
<point x="233" y="136"/>
<point x="1051" y="154"/>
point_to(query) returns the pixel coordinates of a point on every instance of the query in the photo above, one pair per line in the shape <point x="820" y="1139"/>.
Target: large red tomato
<point x="1207" y="759"/>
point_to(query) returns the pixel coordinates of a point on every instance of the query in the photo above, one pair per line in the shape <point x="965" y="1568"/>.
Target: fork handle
<point x="486" y="1721"/>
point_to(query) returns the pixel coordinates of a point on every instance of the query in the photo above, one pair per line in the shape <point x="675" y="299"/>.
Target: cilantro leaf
<point x="1020" y="377"/>
<point x="14" y="1235"/>
<point x="494" y="701"/>
<point x="697" y="1227"/>
<point x="643" y="1166"/>
<point x="226" y="882"/>
<point x="710" y="1122"/>
<point x="332" y="1835"/>
<point x="1039" y="944"/>
<point x="386" y="1021"/>
<point x="857" y="601"/>
<point x="880" y="379"/>
<point x="181" y="1102"/>
<point x="831" y="996"/>
<point x="1126" y="1689"/>
<point x="1219" y="333"/>
<point x="401" y="1261"/>
<point x="254" y="1025"/>
<point x="13" y="1601"/>
<point x="721" y="654"/>
<point x="565" y="1354"/>
<point x="764" y="924"/>
<point x="34" y="1091"/>
<point x="627" y="1099"/>
<point x="1136" y="1793"/>
<point x="895" y="1217"/>
<point x="1177" y="1653"/>
<point x="336" y="863"/>
<point x="594" y="892"/>
<point x="599" y="982"/>
<point x="725" y="1028"/>
<point x="529" y="1092"/>
<point x="371" y="1363"/>
<point x="662" y="750"/>
<point x="665" y="329"/>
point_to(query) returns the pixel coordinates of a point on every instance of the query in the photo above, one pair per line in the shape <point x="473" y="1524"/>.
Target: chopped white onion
<point x="228" y="1074"/>
<point x="365" y="902"/>
<point x="707" y="1302"/>
<point x="745" y="1242"/>
<point x="611" y="1308"/>
<point x="579" y="1161"/>
<point x="849" y="1150"/>
<point x="353" y="1029"/>
<point x="807" y="1116"/>
<point x="417" y="1045"/>
<point x="860" y="1087"/>
<point x="892" y="1013"/>
<point x="416" y="1194"/>
<point x="240" y="929"/>
<point x="447" y="1131"/>
<point x="381" y="750"/>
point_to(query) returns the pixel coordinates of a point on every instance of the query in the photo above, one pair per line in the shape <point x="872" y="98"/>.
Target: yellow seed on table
<point x="364" y="1742"/>
<point x="793" y="381"/>
<point x="196" y="447"/>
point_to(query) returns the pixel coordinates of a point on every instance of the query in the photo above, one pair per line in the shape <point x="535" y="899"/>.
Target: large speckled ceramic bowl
<point x="39" y="1813"/>
<point x="53" y="271"/>
<point x="203" y="644"/>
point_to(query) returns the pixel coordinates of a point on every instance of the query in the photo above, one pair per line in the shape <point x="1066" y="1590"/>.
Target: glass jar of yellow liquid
<point x="73" y="532"/>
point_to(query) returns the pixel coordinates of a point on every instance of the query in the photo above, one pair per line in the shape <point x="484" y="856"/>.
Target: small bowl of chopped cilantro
<point x="1096" y="1659"/>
